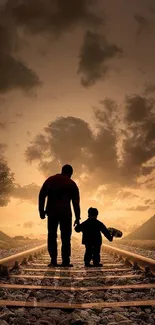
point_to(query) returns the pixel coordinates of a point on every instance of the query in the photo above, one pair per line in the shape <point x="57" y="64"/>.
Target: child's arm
<point x="106" y="232"/>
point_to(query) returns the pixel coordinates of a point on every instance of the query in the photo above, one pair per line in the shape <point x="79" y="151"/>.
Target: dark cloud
<point x="143" y="24"/>
<point x="3" y="126"/>
<point x="35" y="151"/>
<point x="71" y="140"/>
<point x="139" y="143"/>
<point x="6" y="179"/>
<point x="150" y="202"/>
<point x="54" y="16"/>
<point x="139" y="208"/>
<point x="149" y="88"/>
<point x="28" y="192"/>
<point x="14" y="72"/>
<point x="137" y="108"/>
<point x="94" y="58"/>
<point x="148" y="181"/>
<point x="151" y="7"/>
<point x="95" y="156"/>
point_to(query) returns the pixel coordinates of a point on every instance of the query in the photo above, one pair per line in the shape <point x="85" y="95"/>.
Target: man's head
<point x="92" y="213"/>
<point x="67" y="170"/>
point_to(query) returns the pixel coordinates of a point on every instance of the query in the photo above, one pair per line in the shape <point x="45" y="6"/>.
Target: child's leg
<point x="88" y="254"/>
<point x="96" y="254"/>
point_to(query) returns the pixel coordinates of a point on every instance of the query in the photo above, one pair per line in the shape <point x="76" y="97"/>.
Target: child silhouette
<point x="92" y="239"/>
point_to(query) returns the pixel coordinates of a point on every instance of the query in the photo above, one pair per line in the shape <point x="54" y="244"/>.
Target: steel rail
<point x="8" y="261"/>
<point x="61" y="305"/>
<point x="141" y="261"/>
<point x="71" y="288"/>
<point x="73" y="274"/>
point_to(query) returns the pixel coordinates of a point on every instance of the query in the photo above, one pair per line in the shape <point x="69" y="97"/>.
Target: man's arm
<point x="76" y="204"/>
<point x="106" y="232"/>
<point x="41" y="200"/>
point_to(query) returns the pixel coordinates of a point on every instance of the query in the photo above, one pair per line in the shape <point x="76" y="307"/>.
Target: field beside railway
<point x="144" y="244"/>
<point x="16" y="243"/>
<point x="10" y="246"/>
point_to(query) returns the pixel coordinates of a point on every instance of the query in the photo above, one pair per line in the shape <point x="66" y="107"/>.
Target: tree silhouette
<point x="6" y="183"/>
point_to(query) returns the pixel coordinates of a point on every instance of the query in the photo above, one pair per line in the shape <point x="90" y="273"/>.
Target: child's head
<point x="92" y="213"/>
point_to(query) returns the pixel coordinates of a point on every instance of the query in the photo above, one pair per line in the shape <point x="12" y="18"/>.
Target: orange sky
<point x="117" y="60"/>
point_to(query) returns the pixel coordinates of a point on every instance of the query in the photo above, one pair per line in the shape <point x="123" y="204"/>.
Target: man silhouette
<point x="60" y="190"/>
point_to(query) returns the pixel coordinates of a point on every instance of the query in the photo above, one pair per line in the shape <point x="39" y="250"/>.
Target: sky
<point x="77" y="86"/>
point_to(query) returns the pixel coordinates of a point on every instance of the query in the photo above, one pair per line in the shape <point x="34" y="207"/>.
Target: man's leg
<point x="52" y="238"/>
<point x="96" y="254"/>
<point x="66" y="231"/>
<point x="88" y="255"/>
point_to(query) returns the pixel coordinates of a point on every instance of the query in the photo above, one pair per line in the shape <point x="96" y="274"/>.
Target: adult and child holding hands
<point x="60" y="190"/>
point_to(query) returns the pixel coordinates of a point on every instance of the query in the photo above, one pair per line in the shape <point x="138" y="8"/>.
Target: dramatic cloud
<point x="6" y="179"/>
<point x="147" y="181"/>
<point x="143" y="24"/>
<point x="137" y="108"/>
<point x="14" y="72"/>
<point x="64" y="140"/>
<point x="149" y="88"/>
<point x="95" y="156"/>
<point x="139" y="143"/>
<point x="94" y="58"/>
<point x="28" y="192"/>
<point x="54" y="16"/>
<point x="38" y="146"/>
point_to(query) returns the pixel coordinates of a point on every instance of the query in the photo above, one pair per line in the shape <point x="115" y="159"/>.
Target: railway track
<point x="126" y="281"/>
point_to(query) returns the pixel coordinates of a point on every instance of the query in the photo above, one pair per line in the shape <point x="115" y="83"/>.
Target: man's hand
<point x="43" y="215"/>
<point x="76" y="222"/>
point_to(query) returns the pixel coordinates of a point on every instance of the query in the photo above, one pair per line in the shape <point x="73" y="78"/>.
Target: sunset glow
<point x="78" y="89"/>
